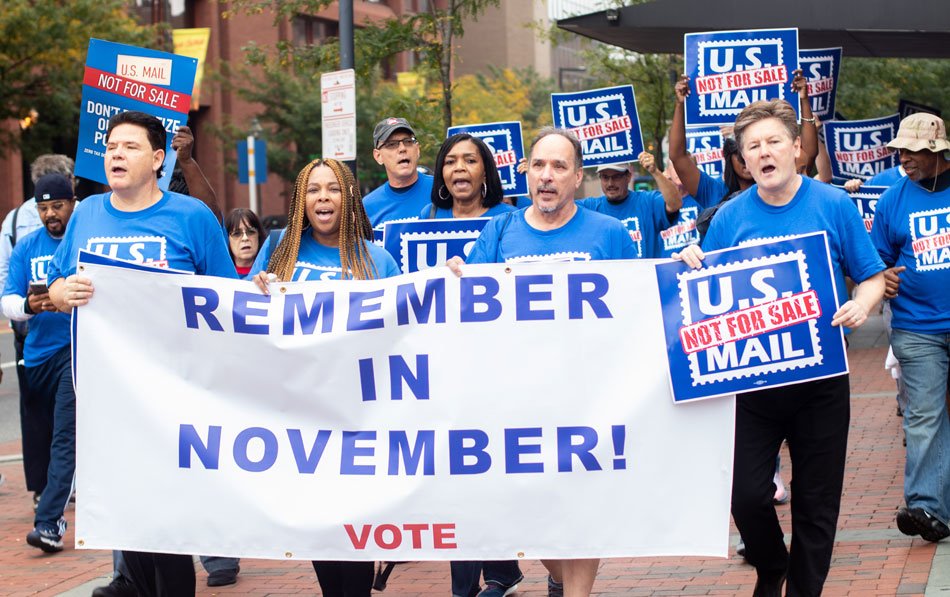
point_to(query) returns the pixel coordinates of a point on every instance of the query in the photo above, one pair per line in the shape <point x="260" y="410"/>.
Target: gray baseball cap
<point x="387" y="127"/>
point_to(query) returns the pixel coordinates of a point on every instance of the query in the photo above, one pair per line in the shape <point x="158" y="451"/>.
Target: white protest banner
<point x="521" y="411"/>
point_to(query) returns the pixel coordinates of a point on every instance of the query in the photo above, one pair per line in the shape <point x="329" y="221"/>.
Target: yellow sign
<point x="194" y="44"/>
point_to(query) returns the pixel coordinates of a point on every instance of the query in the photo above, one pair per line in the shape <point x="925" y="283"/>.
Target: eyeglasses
<point x="394" y="144"/>
<point x="239" y="232"/>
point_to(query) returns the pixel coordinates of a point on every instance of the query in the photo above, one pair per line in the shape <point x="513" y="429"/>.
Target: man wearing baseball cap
<point x="405" y="192"/>
<point x="644" y="213"/>
<point x="911" y="232"/>
<point x="46" y="354"/>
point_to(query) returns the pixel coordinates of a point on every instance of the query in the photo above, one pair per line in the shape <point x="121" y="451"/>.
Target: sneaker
<point x="740" y="549"/>
<point x="119" y="587"/>
<point x="48" y="537"/>
<point x="493" y="590"/>
<point x="917" y="521"/>
<point x="555" y="589"/>
<point x="36" y="500"/>
<point x="220" y="578"/>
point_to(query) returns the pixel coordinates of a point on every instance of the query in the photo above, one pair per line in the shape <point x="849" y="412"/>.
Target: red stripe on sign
<point x="143" y="92"/>
<point x="602" y="129"/>
<point x="751" y="321"/>
<point x="734" y="81"/>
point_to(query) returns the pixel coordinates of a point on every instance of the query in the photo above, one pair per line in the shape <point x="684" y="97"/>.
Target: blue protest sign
<point x="420" y="244"/>
<point x="505" y="141"/>
<point x="820" y="68"/>
<point x="729" y="70"/>
<point x="753" y="317"/>
<point x="705" y="143"/>
<point x="605" y="121"/>
<point x="260" y="161"/>
<point x="858" y="147"/>
<point x="866" y="200"/>
<point x="119" y="78"/>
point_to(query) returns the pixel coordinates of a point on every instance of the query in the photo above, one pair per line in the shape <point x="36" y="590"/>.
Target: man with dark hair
<point x="553" y="228"/>
<point x="406" y="191"/>
<point x="912" y="234"/>
<point x="46" y="355"/>
<point x="139" y="222"/>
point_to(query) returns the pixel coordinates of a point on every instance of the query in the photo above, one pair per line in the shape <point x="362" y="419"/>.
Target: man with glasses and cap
<point x="406" y="191"/>
<point x="644" y="213"/>
<point x="912" y="235"/>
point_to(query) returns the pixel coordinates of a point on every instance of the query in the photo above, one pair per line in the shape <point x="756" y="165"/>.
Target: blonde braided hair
<point x="355" y="229"/>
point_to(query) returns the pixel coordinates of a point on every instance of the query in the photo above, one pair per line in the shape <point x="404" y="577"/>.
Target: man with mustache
<point x="553" y="228"/>
<point x="912" y="235"/>
<point x="644" y="213"/>
<point x="46" y="354"/>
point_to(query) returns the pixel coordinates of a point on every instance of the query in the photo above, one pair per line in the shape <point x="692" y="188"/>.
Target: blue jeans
<point x="925" y="360"/>
<point x="54" y="379"/>
<point x="215" y="563"/>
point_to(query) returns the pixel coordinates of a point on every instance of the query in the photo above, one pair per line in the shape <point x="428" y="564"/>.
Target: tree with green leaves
<point x="42" y="57"/>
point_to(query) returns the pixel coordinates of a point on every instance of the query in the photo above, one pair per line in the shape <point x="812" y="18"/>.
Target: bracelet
<point x="812" y="119"/>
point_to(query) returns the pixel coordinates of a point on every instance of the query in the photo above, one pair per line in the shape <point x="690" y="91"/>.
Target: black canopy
<point x="881" y="28"/>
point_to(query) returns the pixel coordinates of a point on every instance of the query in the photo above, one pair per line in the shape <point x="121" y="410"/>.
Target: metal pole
<point x="252" y="175"/>
<point x="347" y="59"/>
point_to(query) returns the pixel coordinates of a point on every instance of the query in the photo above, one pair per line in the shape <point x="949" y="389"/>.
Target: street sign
<point x="338" y="100"/>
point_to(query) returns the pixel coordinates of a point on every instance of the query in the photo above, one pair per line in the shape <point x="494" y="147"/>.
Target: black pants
<point x="813" y="417"/>
<point x="36" y="422"/>
<point x="161" y="574"/>
<point x="345" y="579"/>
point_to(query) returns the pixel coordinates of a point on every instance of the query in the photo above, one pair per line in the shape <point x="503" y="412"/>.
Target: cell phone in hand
<point x="38" y="288"/>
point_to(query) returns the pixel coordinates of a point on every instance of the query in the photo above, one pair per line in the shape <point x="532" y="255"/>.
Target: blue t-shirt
<point x="29" y="262"/>
<point x="644" y="215"/>
<point x="587" y="236"/>
<point x="912" y="229"/>
<point x="683" y="231"/>
<point x="442" y="213"/>
<point x="320" y="262"/>
<point x="710" y="191"/>
<point x="815" y="207"/>
<point x="178" y="232"/>
<point x="887" y="178"/>
<point x="386" y="204"/>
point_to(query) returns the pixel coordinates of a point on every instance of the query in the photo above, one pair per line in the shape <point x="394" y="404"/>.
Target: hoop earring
<point x="449" y="198"/>
<point x="484" y="189"/>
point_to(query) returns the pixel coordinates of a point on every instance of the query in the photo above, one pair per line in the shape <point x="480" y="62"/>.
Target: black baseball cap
<point x="53" y="187"/>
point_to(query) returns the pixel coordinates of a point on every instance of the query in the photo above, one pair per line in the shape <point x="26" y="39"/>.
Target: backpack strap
<point x="432" y="212"/>
<point x="16" y="213"/>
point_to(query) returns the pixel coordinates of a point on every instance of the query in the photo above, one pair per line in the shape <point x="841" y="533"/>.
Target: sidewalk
<point x="871" y="556"/>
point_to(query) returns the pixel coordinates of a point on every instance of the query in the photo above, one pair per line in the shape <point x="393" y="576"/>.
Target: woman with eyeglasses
<point x="245" y="233"/>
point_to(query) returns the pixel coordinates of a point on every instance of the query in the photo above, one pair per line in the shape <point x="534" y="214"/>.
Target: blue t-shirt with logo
<point x="887" y="178"/>
<point x="683" y="231"/>
<point x="320" y="262"/>
<point x="178" y="232"/>
<point x="912" y="229"/>
<point x="386" y="204"/>
<point x="644" y="215"/>
<point x="29" y="263"/>
<point x="587" y="236"/>
<point x="816" y="207"/>
<point x="441" y="213"/>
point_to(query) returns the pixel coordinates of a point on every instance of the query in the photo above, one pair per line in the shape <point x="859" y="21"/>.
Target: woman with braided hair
<point x="328" y="235"/>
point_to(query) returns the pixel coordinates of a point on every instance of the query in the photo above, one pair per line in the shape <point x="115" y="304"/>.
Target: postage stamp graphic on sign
<point x="506" y="170"/>
<point x="564" y="256"/>
<point x="574" y="113"/>
<point x="430" y="249"/>
<point x="150" y="250"/>
<point x="728" y="338"/>
<point x="735" y="91"/>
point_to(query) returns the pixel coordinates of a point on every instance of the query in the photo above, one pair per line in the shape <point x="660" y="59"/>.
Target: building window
<point x="309" y="31"/>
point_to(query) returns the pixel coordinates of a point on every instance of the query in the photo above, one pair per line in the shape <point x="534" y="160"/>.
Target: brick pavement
<point x="871" y="557"/>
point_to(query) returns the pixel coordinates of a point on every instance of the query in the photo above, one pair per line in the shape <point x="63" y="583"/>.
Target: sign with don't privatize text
<point x="119" y="78"/>
<point x="422" y="244"/>
<point x="382" y="420"/>
<point x="729" y="70"/>
<point x="821" y="68"/>
<point x="753" y="317"/>
<point x="858" y="148"/>
<point x="505" y="142"/>
<point x="605" y="120"/>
